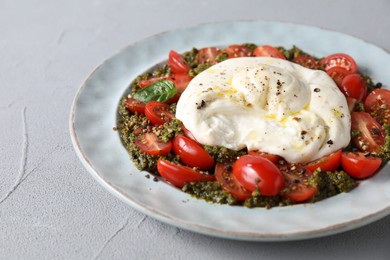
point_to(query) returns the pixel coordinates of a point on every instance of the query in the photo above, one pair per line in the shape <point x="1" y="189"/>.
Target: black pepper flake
<point x="317" y="90"/>
<point x="201" y="105"/>
<point x="376" y="131"/>
<point x="329" y="142"/>
<point x="155" y="179"/>
<point x="303" y="132"/>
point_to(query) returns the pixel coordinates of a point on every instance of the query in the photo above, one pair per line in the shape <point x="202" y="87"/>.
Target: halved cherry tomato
<point x="337" y="74"/>
<point x="377" y="97"/>
<point x="255" y="172"/>
<point x="268" y="51"/>
<point x="297" y="183"/>
<point x="188" y="133"/>
<point x="147" y="82"/>
<point x="177" y="64"/>
<point x="272" y="157"/>
<point x="326" y="163"/>
<point x="351" y="104"/>
<point x="307" y="61"/>
<point x="207" y="55"/>
<point x="152" y="144"/>
<point x="181" y="81"/>
<point x="135" y="106"/>
<point x="225" y="177"/>
<point x="377" y="104"/>
<point x="339" y="60"/>
<point x="369" y="134"/>
<point x="360" y="166"/>
<point x="158" y="113"/>
<point x="354" y="86"/>
<point x="178" y="175"/>
<point x="235" y="51"/>
<point x="192" y="153"/>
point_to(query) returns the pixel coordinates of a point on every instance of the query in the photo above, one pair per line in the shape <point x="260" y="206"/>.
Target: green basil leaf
<point x="160" y="91"/>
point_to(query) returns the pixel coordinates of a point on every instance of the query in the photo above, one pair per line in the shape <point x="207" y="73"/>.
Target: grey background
<point x="50" y="207"/>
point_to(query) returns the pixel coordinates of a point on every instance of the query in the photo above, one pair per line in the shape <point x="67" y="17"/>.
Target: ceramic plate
<point x="93" y="117"/>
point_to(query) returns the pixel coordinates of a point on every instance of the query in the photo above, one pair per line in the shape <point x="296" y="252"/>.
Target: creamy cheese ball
<point x="266" y="104"/>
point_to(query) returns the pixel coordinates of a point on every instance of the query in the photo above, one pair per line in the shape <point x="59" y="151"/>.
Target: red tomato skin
<point x="235" y="51"/>
<point x="351" y="104"/>
<point x="147" y="82"/>
<point x="135" y="106"/>
<point x="377" y="97"/>
<point x="307" y="61"/>
<point x="377" y="104"/>
<point x="326" y="163"/>
<point x="178" y="175"/>
<point x="268" y="51"/>
<point x="272" y="157"/>
<point x="339" y="60"/>
<point x="188" y="133"/>
<point x="177" y="64"/>
<point x="158" y="113"/>
<point x="181" y="81"/>
<point x="149" y="143"/>
<point x="208" y="55"/>
<point x="309" y="192"/>
<point x="337" y="74"/>
<point x="354" y="86"/>
<point x="225" y="177"/>
<point x="359" y="166"/>
<point x="192" y="153"/>
<point x="256" y="172"/>
<point x="371" y="136"/>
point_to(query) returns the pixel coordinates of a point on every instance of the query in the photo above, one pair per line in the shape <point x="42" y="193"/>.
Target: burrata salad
<point x="257" y="125"/>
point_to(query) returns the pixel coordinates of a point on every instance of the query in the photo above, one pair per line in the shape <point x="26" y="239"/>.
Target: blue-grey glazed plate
<point x="99" y="148"/>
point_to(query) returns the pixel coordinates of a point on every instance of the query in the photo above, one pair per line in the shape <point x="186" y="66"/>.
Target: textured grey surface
<point x="50" y="207"/>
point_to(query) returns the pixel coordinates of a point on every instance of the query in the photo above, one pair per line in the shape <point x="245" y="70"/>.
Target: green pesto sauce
<point x="385" y="154"/>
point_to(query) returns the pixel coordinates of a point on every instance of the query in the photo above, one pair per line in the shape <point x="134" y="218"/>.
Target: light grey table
<point x="50" y="207"/>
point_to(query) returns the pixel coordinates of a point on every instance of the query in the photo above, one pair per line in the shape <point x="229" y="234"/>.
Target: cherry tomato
<point x="147" y="82"/>
<point x="298" y="188"/>
<point x="177" y="64"/>
<point x="268" y="51"/>
<point x="192" y="153"/>
<point x="377" y="104"/>
<point x="307" y="61"/>
<point x="354" y="86"/>
<point x="326" y="163"/>
<point x="377" y="97"/>
<point x="370" y="136"/>
<point x="225" y="177"/>
<point x="255" y="172"/>
<point x="235" y="51"/>
<point x="181" y="81"/>
<point x="207" y="55"/>
<point x="188" y="133"/>
<point x="351" y="104"/>
<point x="339" y="60"/>
<point x="135" y="106"/>
<point x="152" y="144"/>
<point x="158" y="113"/>
<point x="272" y="157"/>
<point x="178" y="175"/>
<point x="360" y="166"/>
<point x="337" y="74"/>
